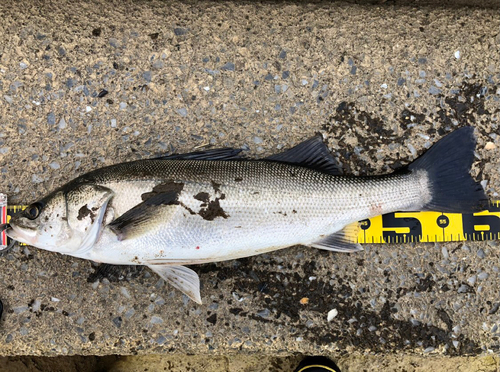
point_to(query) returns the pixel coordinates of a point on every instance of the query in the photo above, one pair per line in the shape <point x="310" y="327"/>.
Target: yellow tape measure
<point x="403" y="227"/>
<point x="426" y="227"/>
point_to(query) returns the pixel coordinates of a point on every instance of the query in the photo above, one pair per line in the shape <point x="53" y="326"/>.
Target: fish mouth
<point x="23" y="235"/>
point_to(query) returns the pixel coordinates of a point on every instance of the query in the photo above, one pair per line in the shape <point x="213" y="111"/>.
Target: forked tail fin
<point x="447" y="164"/>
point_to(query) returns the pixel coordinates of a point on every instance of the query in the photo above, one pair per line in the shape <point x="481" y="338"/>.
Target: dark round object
<point x="33" y="211"/>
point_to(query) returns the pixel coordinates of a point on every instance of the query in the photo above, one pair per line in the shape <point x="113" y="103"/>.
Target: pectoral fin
<point x="145" y="216"/>
<point x="182" y="278"/>
<point x="344" y="240"/>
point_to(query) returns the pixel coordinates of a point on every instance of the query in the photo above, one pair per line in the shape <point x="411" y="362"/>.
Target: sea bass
<point x="215" y="205"/>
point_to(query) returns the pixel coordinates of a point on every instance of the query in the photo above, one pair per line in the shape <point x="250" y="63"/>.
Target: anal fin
<point x="344" y="240"/>
<point x="182" y="278"/>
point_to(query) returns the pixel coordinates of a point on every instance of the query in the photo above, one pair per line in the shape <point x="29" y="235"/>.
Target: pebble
<point x="51" y="118"/>
<point x="434" y="90"/>
<point x="457" y="54"/>
<point x="332" y="314"/>
<point x="147" y="75"/>
<point x="125" y="292"/>
<point x="129" y="313"/>
<point x="55" y="165"/>
<point x="264" y="313"/>
<point x="463" y="289"/>
<point x="412" y="149"/>
<point x="118" y="321"/>
<point x="228" y="67"/>
<point x="62" y="124"/>
<point x="20" y="309"/>
<point x="490" y="146"/>
<point x="179" y="31"/>
<point x="483" y="275"/>
<point x="158" y="64"/>
<point x="156" y="320"/>
<point x="182" y="112"/>
<point x="36" y="179"/>
<point x="472" y="280"/>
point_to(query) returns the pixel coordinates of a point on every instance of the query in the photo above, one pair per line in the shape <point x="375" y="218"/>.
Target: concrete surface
<point x="381" y="83"/>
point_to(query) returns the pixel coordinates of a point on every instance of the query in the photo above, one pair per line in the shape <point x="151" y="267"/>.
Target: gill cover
<point x="86" y="209"/>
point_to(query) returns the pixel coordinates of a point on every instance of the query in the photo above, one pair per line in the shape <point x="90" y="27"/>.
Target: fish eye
<point x="32" y="211"/>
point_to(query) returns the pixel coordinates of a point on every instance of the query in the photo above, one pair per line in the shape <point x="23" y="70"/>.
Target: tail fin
<point x="447" y="164"/>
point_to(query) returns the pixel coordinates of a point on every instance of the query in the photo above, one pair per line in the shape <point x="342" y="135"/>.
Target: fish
<point x="217" y="205"/>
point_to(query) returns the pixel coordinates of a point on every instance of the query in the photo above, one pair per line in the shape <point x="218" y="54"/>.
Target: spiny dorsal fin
<point x="213" y="154"/>
<point x="311" y="153"/>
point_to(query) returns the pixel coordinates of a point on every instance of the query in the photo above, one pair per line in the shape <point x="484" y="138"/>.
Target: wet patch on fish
<point x="186" y="208"/>
<point x="162" y="188"/>
<point x="84" y="212"/>
<point x="213" y="210"/>
<point x="216" y="186"/>
<point x="203" y="197"/>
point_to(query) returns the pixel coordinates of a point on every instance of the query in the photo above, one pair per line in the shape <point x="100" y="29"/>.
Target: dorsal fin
<point x="226" y="153"/>
<point x="311" y="153"/>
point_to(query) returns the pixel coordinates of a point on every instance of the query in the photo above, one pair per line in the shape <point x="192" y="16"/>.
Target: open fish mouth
<point x="24" y="235"/>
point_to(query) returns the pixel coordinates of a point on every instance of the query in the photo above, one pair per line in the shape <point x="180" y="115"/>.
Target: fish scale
<point x="323" y="204"/>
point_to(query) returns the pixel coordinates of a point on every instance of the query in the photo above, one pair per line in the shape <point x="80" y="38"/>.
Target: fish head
<point x="66" y="221"/>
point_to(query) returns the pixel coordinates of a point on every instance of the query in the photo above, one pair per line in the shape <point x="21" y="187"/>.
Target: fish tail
<point x="447" y="167"/>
